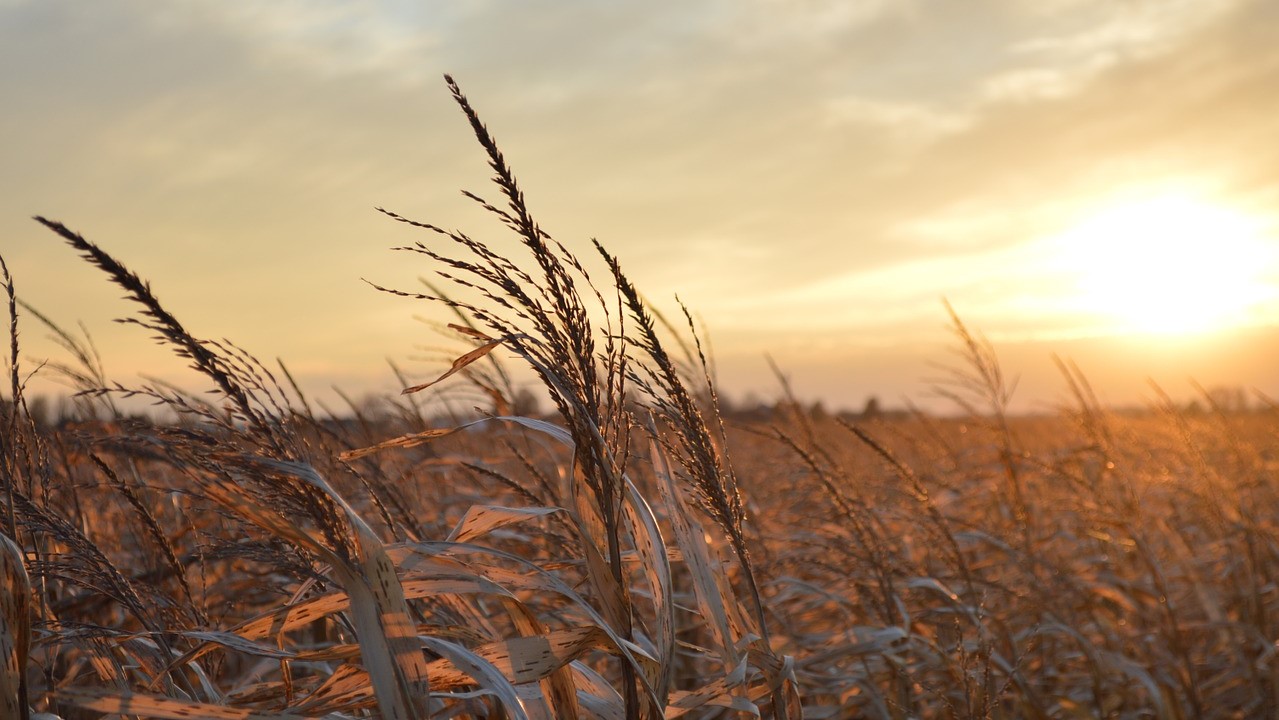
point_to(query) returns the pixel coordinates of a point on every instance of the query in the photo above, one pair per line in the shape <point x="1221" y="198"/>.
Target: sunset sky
<point x="1093" y="178"/>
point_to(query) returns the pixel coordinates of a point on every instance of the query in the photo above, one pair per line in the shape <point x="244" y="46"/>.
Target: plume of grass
<point x="11" y="445"/>
<point x="354" y="554"/>
<point x="698" y="447"/>
<point x="977" y="385"/>
<point x="541" y="316"/>
<point x="225" y="370"/>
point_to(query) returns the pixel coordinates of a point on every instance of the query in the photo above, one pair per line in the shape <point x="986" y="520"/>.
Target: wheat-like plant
<point x="641" y="552"/>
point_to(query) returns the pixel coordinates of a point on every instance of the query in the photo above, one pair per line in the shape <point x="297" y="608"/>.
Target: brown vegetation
<point x="635" y="556"/>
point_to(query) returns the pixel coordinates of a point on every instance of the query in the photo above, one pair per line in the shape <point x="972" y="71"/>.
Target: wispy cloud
<point x="822" y="155"/>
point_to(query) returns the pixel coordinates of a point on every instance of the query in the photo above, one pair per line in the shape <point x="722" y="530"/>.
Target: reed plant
<point x="640" y="552"/>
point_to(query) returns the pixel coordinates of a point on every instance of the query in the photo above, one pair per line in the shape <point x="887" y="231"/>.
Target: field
<point x="634" y="553"/>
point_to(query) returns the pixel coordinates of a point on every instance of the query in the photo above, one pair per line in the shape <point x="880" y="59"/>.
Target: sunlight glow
<point x="1171" y="264"/>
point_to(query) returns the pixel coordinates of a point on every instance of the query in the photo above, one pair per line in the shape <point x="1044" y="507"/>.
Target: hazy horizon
<point x="1087" y="179"/>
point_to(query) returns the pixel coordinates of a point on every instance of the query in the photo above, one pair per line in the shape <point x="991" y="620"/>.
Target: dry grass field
<point x="634" y="553"/>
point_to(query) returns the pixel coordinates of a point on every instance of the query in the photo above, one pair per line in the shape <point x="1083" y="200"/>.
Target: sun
<point x="1171" y="264"/>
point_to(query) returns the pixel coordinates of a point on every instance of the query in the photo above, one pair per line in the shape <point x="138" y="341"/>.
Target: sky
<point x="1095" y="179"/>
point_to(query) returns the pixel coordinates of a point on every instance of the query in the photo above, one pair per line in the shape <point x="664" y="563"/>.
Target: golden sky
<point x="1094" y="178"/>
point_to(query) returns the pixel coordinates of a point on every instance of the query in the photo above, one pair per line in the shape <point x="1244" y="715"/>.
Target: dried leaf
<point x="481" y="519"/>
<point x="529" y="659"/>
<point x="485" y="674"/>
<point x="470" y="331"/>
<point x="718" y="693"/>
<point x="651" y="552"/>
<point x="458" y="364"/>
<point x="403" y="441"/>
<point x="692" y="543"/>
<point x="155" y="706"/>
<point x="388" y="637"/>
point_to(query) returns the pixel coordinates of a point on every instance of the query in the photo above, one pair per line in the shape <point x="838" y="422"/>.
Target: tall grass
<point x="639" y="553"/>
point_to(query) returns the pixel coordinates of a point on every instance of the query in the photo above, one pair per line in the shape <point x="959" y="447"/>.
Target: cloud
<point x="1179" y="113"/>
<point x="910" y="124"/>
<point x="725" y="150"/>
